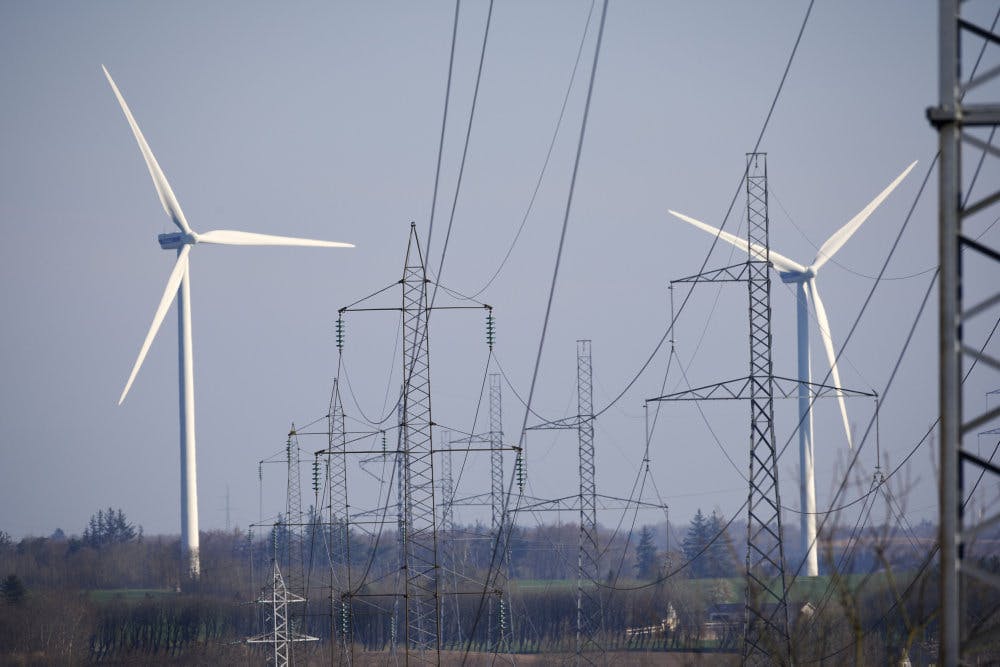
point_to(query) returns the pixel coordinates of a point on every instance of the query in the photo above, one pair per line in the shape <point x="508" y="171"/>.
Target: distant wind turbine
<point x="804" y="278"/>
<point x="179" y="285"/>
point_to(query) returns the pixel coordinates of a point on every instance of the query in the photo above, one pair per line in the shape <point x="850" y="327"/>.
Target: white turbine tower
<point x="179" y="285"/>
<point x="804" y="278"/>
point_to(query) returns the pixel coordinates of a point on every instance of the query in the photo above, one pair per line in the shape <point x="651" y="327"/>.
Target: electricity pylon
<point x="960" y="123"/>
<point x="417" y="528"/>
<point x="281" y="635"/>
<point x="765" y="636"/>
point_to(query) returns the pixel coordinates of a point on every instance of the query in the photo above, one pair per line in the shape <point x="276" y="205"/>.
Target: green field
<point x="129" y="594"/>
<point x="802" y="589"/>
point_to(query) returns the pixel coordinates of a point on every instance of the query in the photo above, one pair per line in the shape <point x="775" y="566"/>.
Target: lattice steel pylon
<point x="959" y="122"/>
<point x="497" y="631"/>
<point x="281" y="634"/>
<point x="398" y="609"/>
<point x="293" y="555"/>
<point x="447" y="484"/>
<point x="339" y="512"/>
<point x="294" y="547"/>
<point x="766" y="626"/>
<point x="497" y="610"/>
<point x="765" y="637"/>
<point x="423" y="607"/>
<point x="589" y="612"/>
<point x="416" y="594"/>
<point x="448" y="556"/>
<point x="497" y="491"/>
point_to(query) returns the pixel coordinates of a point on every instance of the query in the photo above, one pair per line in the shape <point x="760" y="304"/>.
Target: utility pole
<point x="958" y="123"/>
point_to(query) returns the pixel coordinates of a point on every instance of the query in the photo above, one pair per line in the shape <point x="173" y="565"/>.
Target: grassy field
<point x="732" y="588"/>
<point x="625" y="658"/>
<point x="129" y="594"/>
<point x="543" y="585"/>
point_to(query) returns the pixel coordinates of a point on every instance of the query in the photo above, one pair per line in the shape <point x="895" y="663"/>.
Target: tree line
<point x="113" y="593"/>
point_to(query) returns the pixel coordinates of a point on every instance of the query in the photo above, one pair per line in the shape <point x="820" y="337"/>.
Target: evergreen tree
<point x="694" y="543"/>
<point x="108" y="527"/>
<point x="12" y="590"/>
<point x="645" y="555"/>
<point x="720" y="554"/>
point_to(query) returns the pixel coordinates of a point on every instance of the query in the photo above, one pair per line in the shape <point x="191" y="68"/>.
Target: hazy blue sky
<point x="321" y="119"/>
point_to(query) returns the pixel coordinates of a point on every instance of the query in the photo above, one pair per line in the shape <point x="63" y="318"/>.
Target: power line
<point x="555" y="275"/>
<point x="444" y="125"/>
<point x="565" y="223"/>
<point x="548" y="156"/>
<point x="465" y="152"/>
<point x="729" y="210"/>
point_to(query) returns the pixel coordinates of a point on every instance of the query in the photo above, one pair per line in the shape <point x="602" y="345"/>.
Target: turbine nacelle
<point x="797" y="276"/>
<point x="176" y="240"/>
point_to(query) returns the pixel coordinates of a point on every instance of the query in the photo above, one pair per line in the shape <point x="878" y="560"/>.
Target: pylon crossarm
<point x="727" y="274"/>
<point x="982" y="306"/>
<point x="974" y="424"/>
<point x="744" y="388"/>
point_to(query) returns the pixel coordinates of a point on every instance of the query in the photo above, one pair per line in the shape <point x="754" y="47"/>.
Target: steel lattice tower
<point x="448" y="555"/>
<point x="959" y="122"/>
<point x="766" y="638"/>
<point x="340" y="523"/>
<point x="766" y="627"/>
<point x="496" y="617"/>
<point x="294" y="546"/>
<point x="416" y="607"/>
<point x="589" y="614"/>
<point x="295" y="554"/>
<point x="497" y="630"/>
<point x="497" y="492"/>
<point x="447" y="484"/>
<point x="398" y="613"/>
<point x="282" y="635"/>
<point x="423" y="634"/>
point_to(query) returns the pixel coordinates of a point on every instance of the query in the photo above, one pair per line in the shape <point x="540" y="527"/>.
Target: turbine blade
<point x="173" y="282"/>
<point x="840" y="237"/>
<point x="780" y="262"/>
<point x="230" y="237"/>
<point x="167" y="198"/>
<point x="831" y="355"/>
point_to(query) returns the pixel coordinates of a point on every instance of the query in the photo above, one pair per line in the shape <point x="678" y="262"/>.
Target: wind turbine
<point x="179" y="285"/>
<point x="804" y="279"/>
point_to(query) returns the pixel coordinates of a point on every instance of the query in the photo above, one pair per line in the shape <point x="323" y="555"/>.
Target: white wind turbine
<point x="804" y="278"/>
<point x="179" y="285"/>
